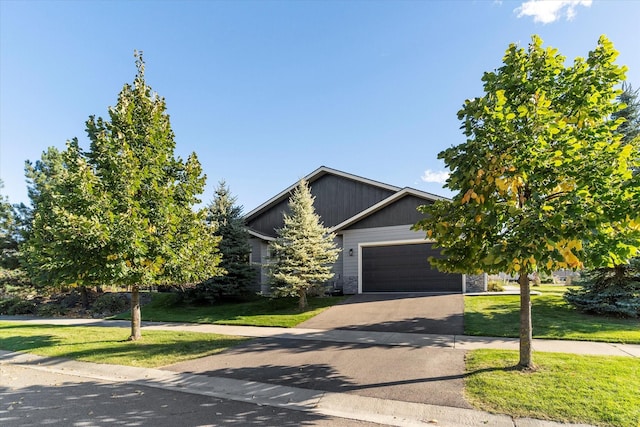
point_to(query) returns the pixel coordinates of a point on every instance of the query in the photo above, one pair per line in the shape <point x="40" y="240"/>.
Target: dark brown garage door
<point x="405" y="268"/>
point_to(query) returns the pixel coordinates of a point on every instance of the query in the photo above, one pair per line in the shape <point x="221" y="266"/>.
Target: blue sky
<point x="265" y="92"/>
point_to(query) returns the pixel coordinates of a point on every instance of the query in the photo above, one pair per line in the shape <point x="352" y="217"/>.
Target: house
<point x="372" y="222"/>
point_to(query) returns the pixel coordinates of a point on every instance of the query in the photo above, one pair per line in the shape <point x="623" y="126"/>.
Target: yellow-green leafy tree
<point x="121" y="213"/>
<point x="543" y="179"/>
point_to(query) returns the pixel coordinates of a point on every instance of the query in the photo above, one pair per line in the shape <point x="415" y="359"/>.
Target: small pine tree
<point x="226" y="217"/>
<point x="609" y="291"/>
<point x="304" y="250"/>
<point x="8" y="241"/>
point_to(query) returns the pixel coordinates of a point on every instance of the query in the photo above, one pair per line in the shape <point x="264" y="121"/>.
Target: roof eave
<point x="260" y="235"/>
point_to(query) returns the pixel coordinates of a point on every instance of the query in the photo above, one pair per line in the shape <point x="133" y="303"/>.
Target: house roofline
<point x="321" y="171"/>
<point x="383" y="203"/>
<point x="426" y="194"/>
<point x="260" y="235"/>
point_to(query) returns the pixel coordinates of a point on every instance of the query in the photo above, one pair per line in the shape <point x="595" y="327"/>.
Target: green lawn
<point x="498" y="316"/>
<point x="110" y="345"/>
<point x="568" y="388"/>
<point x="282" y="312"/>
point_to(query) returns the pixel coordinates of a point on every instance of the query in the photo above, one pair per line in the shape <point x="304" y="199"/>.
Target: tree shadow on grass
<point x="147" y="354"/>
<point x="160" y="347"/>
<point x="230" y="312"/>
<point x="27" y="342"/>
<point x="551" y="317"/>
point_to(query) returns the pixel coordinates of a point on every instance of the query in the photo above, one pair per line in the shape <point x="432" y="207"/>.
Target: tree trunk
<point x="526" y="329"/>
<point x="136" y="334"/>
<point x="620" y="273"/>
<point x="84" y="297"/>
<point x="302" y="302"/>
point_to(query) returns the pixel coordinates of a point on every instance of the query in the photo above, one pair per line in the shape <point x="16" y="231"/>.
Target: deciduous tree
<point x="615" y="289"/>
<point x="542" y="173"/>
<point x="122" y="212"/>
<point x="304" y="251"/>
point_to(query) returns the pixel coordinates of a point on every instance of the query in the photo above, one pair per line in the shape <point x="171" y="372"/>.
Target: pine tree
<point x="630" y="128"/>
<point x="304" y="251"/>
<point x="611" y="291"/>
<point x="226" y="217"/>
<point x="8" y="240"/>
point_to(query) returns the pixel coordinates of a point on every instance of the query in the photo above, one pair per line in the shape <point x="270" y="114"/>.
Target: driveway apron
<point x="411" y="374"/>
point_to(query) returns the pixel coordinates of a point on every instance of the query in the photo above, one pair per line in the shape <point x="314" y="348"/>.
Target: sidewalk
<point x="398" y="412"/>
<point x="460" y="342"/>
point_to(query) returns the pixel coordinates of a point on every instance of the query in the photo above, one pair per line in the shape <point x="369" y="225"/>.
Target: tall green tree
<point x="14" y="221"/>
<point x="542" y="172"/>
<point x="226" y="217"/>
<point x="8" y="233"/>
<point x="122" y="212"/>
<point x="615" y="289"/>
<point x="304" y="251"/>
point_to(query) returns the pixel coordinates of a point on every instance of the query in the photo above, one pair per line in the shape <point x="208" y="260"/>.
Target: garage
<point x="405" y="268"/>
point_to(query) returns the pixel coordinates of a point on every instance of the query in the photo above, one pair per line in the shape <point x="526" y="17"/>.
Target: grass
<point x="110" y="345"/>
<point x="569" y="388"/>
<point x="281" y="312"/>
<point x="553" y="318"/>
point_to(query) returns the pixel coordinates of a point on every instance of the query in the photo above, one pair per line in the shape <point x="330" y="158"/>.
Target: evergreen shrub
<point x="609" y="291"/>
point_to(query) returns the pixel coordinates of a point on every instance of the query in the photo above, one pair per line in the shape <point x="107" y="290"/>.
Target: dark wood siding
<point x="401" y="212"/>
<point x="269" y="220"/>
<point x="336" y="199"/>
<point x="405" y="268"/>
<point x="339" y="198"/>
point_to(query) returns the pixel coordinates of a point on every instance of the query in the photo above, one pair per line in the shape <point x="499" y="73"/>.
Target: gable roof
<point x="314" y="176"/>
<point x="343" y="201"/>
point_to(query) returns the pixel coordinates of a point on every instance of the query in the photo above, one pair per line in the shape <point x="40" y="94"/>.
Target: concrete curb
<point x="383" y="411"/>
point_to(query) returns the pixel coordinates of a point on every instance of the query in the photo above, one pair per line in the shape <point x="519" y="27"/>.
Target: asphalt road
<point x="31" y="397"/>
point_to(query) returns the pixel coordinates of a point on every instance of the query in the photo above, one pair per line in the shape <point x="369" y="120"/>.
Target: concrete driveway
<point x="408" y="313"/>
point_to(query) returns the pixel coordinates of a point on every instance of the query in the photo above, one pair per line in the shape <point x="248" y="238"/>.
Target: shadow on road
<point x="35" y="398"/>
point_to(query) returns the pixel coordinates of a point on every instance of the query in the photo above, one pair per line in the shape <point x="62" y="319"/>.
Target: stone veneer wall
<point x="350" y="285"/>
<point x="475" y="283"/>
